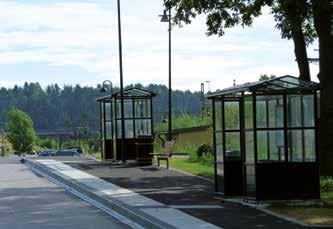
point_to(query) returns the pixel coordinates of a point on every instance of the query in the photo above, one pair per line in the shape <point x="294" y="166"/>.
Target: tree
<point x="263" y="77"/>
<point x="293" y="18"/>
<point x="301" y="20"/>
<point x="323" y="20"/>
<point x="21" y="132"/>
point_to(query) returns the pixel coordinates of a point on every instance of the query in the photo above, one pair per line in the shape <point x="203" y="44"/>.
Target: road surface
<point x="28" y="201"/>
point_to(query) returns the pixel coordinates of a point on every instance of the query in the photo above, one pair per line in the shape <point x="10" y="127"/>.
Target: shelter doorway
<point x="230" y="157"/>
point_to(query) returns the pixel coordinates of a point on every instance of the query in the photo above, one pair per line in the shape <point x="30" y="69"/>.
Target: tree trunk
<point x="322" y="11"/>
<point x="292" y="10"/>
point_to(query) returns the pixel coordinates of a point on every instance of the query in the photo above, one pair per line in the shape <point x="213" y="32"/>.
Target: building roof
<point x="278" y="84"/>
<point x="129" y="93"/>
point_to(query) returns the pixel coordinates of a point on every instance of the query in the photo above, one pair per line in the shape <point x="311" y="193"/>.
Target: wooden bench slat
<point x="166" y="152"/>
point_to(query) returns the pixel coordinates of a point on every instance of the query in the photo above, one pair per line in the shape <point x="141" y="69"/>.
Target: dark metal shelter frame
<point x="138" y="119"/>
<point x="265" y="139"/>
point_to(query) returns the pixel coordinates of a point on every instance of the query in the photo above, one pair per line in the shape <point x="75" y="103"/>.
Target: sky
<point x="72" y="42"/>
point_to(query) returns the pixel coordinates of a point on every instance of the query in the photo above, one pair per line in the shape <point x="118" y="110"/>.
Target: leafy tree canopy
<point x="224" y="14"/>
<point x="21" y="132"/>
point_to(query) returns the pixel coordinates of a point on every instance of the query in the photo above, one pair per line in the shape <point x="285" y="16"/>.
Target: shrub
<point x="204" y="150"/>
<point x="326" y="184"/>
<point x="47" y="143"/>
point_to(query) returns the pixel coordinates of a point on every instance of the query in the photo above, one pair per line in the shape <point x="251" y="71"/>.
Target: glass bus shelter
<point x="265" y="139"/>
<point x="138" y="118"/>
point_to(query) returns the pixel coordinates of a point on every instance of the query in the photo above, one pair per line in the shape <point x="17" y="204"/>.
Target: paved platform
<point x="28" y="201"/>
<point x="127" y="202"/>
<point x="191" y="194"/>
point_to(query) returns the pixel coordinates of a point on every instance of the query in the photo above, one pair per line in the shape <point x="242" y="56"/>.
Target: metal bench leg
<point x="158" y="162"/>
<point x="167" y="163"/>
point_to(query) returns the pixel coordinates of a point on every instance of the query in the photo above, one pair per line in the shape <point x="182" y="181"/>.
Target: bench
<point x="165" y="154"/>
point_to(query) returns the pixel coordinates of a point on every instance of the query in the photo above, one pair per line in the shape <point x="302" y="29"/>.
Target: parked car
<point x="79" y="150"/>
<point x="46" y="153"/>
<point x="67" y="153"/>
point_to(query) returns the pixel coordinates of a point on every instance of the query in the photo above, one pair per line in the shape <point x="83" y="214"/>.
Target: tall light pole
<point x="202" y="99"/>
<point x="208" y="82"/>
<point x="167" y="18"/>
<point x="121" y="86"/>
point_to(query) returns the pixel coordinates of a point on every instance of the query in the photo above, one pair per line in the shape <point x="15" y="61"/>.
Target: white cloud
<point x="84" y="34"/>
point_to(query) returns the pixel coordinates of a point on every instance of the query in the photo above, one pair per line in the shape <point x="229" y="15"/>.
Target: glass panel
<point x="248" y="112"/>
<point x="219" y="147"/>
<point x="275" y="109"/>
<point x="291" y="80"/>
<point x="102" y="120"/>
<point x="218" y="115"/>
<point x="102" y="111"/>
<point x="308" y="111"/>
<point x="318" y="104"/>
<point x="261" y="112"/>
<point x="108" y="130"/>
<point x="118" y="108"/>
<point x="249" y="146"/>
<point x="250" y="180"/>
<point x="108" y="111"/>
<point x="128" y="108"/>
<point x="142" y="127"/>
<point x="114" y="109"/>
<point x="276" y="145"/>
<point x="114" y="127"/>
<point x="295" y="143"/>
<point x="220" y="177"/>
<point x="231" y="110"/>
<point x="310" y="149"/>
<point x="232" y="141"/>
<point x="283" y="84"/>
<point x="262" y="145"/>
<point x="142" y="108"/>
<point x="129" y="130"/>
<point x="119" y="132"/>
<point x="102" y="128"/>
<point x="294" y="111"/>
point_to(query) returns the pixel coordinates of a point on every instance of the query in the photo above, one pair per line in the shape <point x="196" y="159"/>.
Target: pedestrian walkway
<point x="190" y="194"/>
<point x="160" y="213"/>
<point x="28" y="201"/>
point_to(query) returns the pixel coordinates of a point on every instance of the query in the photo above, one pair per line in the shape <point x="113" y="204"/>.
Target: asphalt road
<point x="28" y="201"/>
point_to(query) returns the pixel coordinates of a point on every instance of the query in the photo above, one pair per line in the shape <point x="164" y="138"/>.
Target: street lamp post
<point x="167" y="18"/>
<point x="208" y="82"/>
<point x="202" y="100"/>
<point x="121" y="87"/>
<point x="104" y="88"/>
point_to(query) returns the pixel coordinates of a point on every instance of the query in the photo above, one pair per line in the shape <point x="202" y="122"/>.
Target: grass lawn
<point x="194" y="168"/>
<point x="310" y="215"/>
<point x="320" y="215"/>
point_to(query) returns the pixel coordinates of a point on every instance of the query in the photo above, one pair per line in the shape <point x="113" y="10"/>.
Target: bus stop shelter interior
<point x="138" y="119"/>
<point x="265" y="139"/>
